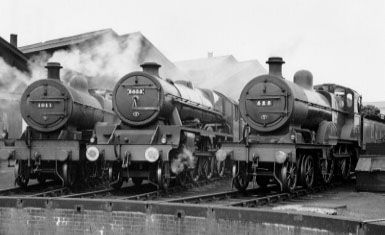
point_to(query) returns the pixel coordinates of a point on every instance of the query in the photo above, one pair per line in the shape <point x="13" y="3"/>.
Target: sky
<point x="339" y="41"/>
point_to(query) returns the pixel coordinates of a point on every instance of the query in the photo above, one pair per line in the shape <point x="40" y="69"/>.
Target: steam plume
<point x="104" y="60"/>
<point x="184" y="159"/>
<point x="11" y="79"/>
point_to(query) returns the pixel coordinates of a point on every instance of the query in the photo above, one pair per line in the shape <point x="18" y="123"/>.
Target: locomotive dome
<point x="265" y="101"/>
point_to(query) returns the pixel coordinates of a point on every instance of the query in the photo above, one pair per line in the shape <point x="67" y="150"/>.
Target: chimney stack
<point x="275" y="66"/>
<point x="53" y="69"/>
<point x="151" y="68"/>
<point x="13" y="40"/>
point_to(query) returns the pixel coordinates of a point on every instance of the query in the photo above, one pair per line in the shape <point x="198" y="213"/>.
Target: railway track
<point x="156" y="194"/>
<point x="249" y="198"/>
<point x="30" y="190"/>
<point x="51" y="193"/>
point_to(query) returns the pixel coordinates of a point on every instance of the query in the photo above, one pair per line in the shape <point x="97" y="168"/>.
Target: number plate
<point x="45" y="105"/>
<point x="135" y="91"/>
<point x="263" y="103"/>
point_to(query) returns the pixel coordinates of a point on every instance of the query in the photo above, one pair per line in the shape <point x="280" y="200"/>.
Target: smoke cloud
<point x="104" y="60"/>
<point x="223" y="73"/>
<point x="11" y="79"/>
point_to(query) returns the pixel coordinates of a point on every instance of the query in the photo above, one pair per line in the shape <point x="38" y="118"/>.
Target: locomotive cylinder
<point x="139" y="98"/>
<point x="269" y="102"/>
<point x="48" y="105"/>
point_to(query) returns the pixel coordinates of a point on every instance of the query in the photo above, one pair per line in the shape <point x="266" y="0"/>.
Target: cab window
<point x="236" y="112"/>
<point x="349" y="100"/>
<point x="359" y="104"/>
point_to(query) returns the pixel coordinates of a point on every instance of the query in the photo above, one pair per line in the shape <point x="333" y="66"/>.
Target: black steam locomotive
<point x="297" y="133"/>
<point x="169" y="130"/>
<point x="60" y="121"/>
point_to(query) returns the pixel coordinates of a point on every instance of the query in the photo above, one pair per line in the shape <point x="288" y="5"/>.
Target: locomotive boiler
<point x="140" y="98"/>
<point x="49" y="105"/>
<point x="270" y="102"/>
<point x="295" y="132"/>
<point x="169" y="130"/>
<point x="60" y="120"/>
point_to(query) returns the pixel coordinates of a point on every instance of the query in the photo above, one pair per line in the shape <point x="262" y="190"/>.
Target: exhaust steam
<point x="185" y="159"/>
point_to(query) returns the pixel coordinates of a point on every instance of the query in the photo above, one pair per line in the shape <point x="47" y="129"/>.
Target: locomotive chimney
<point x="53" y="69"/>
<point x="151" y="68"/>
<point x="13" y="40"/>
<point x="275" y="65"/>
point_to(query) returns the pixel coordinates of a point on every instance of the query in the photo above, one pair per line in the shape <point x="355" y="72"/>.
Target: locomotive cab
<point x="347" y="104"/>
<point x="348" y="100"/>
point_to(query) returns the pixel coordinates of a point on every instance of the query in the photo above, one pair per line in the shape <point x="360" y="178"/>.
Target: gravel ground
<point x="341" y="201"/>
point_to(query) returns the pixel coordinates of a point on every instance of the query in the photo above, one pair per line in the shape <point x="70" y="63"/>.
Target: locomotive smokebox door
<point x="266" y="109"/>
<point x="45" y="105"/>
<point x="137" y="98"/>
<point x="264" y="103"/>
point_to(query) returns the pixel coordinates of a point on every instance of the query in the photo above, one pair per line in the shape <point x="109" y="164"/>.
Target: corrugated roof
<point x="66" y="41"/>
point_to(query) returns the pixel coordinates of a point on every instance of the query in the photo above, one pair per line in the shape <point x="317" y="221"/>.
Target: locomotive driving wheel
<point x="344" y="165"/>
<point x="201" y="169"/>
<point x="240" y="177"/>
<point x="196" y="172"/>
<point x="307" y="172"/>
<point x="69" y="172"/>
<point x="210" y="168"/>
<point x="289" y="176"/>
<point x="220" y="168"/>
<point x="21" y="173"/>
<point x="206" y="168"/>
<point x="163" y="175"/>
<point x="115" y="176"/>
<point x="327" y="170"/>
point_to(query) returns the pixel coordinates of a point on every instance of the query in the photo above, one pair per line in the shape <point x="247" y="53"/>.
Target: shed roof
<point x="222" y="73"/>
<point x="66" y="41"/>
<point x="14" y="50"/>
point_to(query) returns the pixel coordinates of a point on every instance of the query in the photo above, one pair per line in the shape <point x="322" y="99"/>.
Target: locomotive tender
<point x="60" y="120"/>
<point x="169" y="130"/>
<point x="296" y="133"/>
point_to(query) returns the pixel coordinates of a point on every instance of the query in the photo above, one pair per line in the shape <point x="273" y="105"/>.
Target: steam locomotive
<point x="60" y="121"/>
<point x="168" y="131"/>
<point x="296" y="133"/>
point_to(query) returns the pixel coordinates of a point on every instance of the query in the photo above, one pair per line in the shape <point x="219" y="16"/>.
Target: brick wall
<point x="65" y="216"/>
